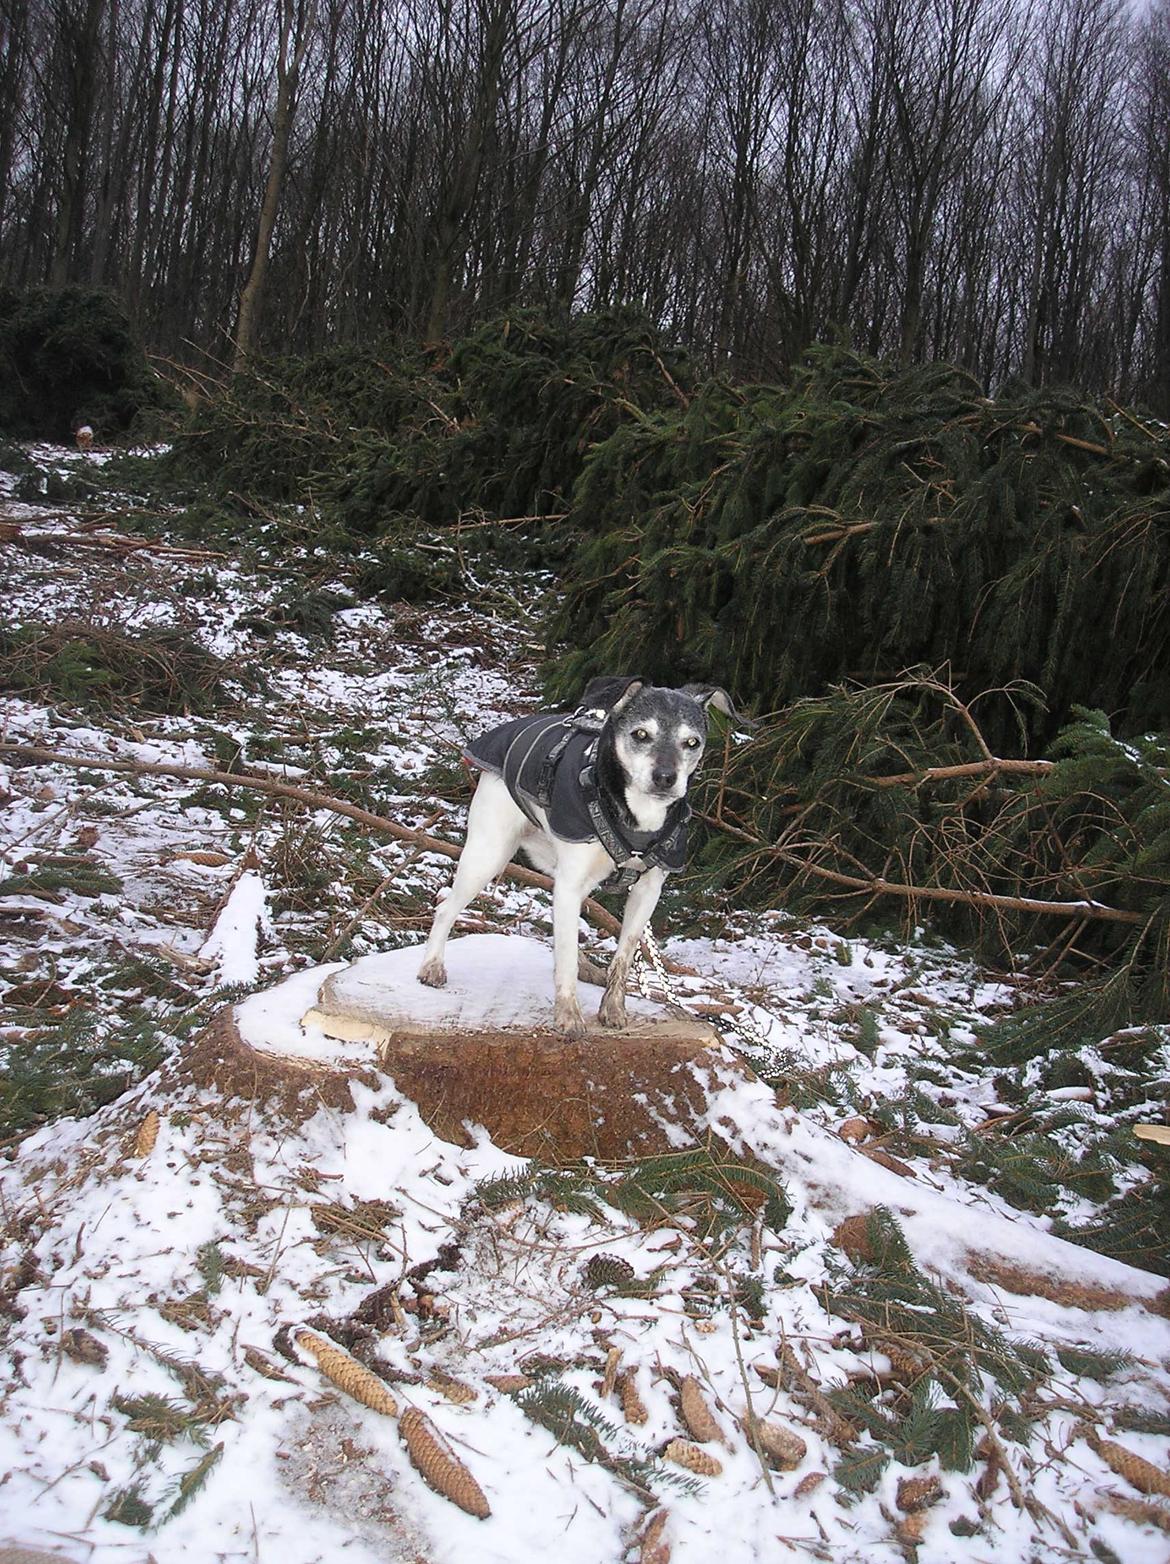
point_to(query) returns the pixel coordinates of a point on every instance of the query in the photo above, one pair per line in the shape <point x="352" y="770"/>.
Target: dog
<point x="596" y="797"/>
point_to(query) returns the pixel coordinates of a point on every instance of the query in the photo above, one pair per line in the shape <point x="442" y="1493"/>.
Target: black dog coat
<point x="546" y="762"/>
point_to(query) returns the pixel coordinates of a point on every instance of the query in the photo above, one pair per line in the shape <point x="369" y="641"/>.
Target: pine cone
<point x="693" y="1457"/>
<point x="347" y="1373"/>
<point x="918" y="1493"/>
<point x="454" y="1389"/>
<point x="147" y="1134"/>
<point x="1141" y="1511"/>
<point x="696" y="1414"/>
<point x="84" y="1347"/>
<point x="1137" y="1471"/>
<point x="608" y="1270"/>
<point x="633" y="1407"/>
<point x="784" y="1449"/>
<point x="438" y="1464"/>
<point x="652" y="1547"/>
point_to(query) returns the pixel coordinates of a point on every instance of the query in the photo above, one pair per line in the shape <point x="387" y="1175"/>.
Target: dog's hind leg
<point x="640" y="903"/>
<point x="494" y="829"/>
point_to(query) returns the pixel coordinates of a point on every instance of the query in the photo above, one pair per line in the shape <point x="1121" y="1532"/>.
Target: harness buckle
<point x="586" y="719"/>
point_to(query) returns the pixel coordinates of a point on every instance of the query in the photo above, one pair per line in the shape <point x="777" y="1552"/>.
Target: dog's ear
<point x="712" y="695"/>
<point x="611" y="693"/>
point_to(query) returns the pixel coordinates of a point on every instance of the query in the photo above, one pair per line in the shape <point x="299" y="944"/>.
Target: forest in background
<point x="985" y="182"/>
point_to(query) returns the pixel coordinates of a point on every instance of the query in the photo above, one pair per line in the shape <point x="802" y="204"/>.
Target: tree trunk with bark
<point x="296" y="24"/>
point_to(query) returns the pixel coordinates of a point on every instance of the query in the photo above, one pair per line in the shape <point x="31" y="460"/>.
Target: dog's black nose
<point x="663" y="779"/>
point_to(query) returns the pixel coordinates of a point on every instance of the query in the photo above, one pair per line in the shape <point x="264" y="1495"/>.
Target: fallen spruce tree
<point x="859" y="521"/>
<point x="870" y="803"/>
<point x="799" y="544"/>
<point x="69" y="357"/>
<point x="888" y="797"/>
<point x="379" y="440"/>
<point x="803" y="545"/>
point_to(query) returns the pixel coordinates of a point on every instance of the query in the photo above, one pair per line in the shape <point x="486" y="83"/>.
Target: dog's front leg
<point x="640" y="903"/>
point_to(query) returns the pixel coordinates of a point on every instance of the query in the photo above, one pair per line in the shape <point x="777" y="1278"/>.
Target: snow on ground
<point x="155" y="1404"/>
<point x="233" y="942"/>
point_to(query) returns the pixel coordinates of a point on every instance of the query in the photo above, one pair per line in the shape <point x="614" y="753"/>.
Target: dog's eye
<point x="641" y="735"/>
<point x="691" y="743"/>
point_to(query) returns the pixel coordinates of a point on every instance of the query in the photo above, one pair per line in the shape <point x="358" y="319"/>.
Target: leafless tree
<point x="985" y="180"/>
<point x="297" y="19"/>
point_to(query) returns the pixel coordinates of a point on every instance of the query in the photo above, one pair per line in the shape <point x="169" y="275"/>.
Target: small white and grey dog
<point x="590" y="797"/>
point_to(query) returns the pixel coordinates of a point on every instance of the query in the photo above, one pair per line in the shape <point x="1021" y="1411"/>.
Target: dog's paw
<point x="613" y="1010"/>
<point x="567" y="1018"/>
<point x="433" y="973"/>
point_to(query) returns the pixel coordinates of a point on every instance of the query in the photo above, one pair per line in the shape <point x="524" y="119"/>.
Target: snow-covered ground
<point x="160" y="1255"/>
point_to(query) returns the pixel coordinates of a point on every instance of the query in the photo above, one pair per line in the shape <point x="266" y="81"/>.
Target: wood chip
<point x="885" y="1160"/>
<point x="854" y="1129"/>
<point x="911" y="1529"/>
<point x="1155" y="1132"/>
<point x="612" y="1359"/>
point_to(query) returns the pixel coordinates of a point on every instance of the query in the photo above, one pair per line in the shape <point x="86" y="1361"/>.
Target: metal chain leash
<point x="648" y="955"/>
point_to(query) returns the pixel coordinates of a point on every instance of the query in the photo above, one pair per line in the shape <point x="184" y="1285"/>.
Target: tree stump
<point x="481" y="1051"/>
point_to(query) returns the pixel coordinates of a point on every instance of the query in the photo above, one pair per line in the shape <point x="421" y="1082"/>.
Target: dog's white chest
<point x="586" y="864"/>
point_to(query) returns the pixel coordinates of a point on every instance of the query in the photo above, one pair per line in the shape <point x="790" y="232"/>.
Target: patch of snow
<point x="234" y="942"/>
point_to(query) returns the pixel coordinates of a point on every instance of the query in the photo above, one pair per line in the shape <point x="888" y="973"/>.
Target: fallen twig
<point x="877" y="886"/>
<point x="971" y="768"/>
<point x="117" y="542"/>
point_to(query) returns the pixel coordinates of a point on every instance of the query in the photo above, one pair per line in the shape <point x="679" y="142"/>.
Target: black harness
<point x="548" y="762"/>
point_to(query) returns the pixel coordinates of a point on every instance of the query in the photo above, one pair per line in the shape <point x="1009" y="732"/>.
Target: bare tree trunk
<point x="78" y="42"/>
<point x="296" y="24"/>
<point x="106" y="194"/>
<point x="497" y="17"/>
<point x="14" y="31"/>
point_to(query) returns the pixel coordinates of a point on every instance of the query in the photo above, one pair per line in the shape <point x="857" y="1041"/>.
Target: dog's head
<point x="655" y="735"/>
